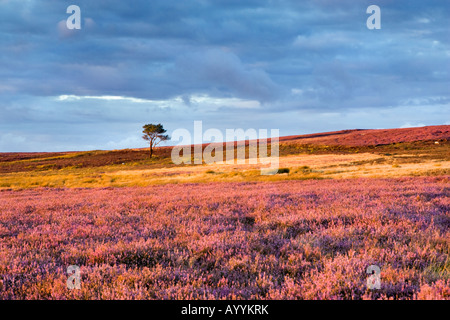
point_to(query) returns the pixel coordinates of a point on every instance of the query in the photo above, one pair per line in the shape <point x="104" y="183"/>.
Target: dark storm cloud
<point x="290" y="56"/>
<point x="223" y="70"/>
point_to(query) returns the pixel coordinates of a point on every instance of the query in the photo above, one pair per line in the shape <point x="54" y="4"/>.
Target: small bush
<point x="283" y="170"/>
<point x="303" y="169"/>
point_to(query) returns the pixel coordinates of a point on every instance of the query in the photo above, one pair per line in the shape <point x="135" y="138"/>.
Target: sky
<point x="297" y="66"/>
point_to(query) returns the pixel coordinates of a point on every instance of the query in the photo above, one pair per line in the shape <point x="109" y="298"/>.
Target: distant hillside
<point x="418" y="140"/>
<point x="372" y="137"/>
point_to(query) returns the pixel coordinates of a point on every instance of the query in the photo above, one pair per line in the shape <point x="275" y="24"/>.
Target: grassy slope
<point x="301" y="240"/>
<point x="306" y="157"/>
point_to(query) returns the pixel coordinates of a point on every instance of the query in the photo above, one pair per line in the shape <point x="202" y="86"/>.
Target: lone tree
<point x="154" y="134"/>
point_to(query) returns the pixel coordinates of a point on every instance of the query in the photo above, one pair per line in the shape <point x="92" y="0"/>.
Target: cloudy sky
<point x="297" y="66"/>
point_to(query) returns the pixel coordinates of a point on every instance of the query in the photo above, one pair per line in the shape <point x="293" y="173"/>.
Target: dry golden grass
<point x="390" y="170"/>
<point x="304" y="166"/>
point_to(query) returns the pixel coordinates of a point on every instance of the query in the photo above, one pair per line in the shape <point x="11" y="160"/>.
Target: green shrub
<point x="283" y="170"/>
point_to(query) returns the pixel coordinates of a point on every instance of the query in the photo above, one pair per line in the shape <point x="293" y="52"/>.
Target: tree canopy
<point x="154" y="134"/>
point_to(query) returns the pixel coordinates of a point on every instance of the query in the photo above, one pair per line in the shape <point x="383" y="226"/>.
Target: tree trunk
<point x="151" y="151"/>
